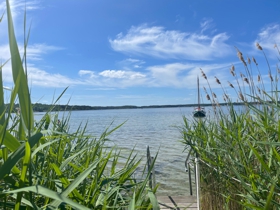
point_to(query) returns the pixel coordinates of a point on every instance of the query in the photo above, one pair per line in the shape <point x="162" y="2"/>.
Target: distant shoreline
<point x="45" y="107"/>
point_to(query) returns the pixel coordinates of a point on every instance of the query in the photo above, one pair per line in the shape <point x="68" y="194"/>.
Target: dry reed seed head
<point x="241" y="96"/>
<point x="246" y="80"/>
<point x="270" y="76"/>
<point x="259" y="78"/>
<point x="218" y="81"/>
<point x="255" y="61"/>
<point x="259" y="90"/>
<point x="203" y="74"/>
<point x="232" y="68"/>
<point x="258" y="46"/>
<point x="239" y="55"/>
<point x="275" y="45"/>
<point x="208" y="97"/>
<point x="214" y="95"/>
<point x="241" y="75"/>
<point x="249" y="60"/>
<point x="230" y="85"/>
<point x="232" y="73"/>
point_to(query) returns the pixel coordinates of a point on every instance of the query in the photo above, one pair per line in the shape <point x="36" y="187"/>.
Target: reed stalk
<point x="240" y="149"/>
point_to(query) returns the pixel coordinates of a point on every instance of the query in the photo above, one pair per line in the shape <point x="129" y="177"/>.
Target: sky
<point x="138" y="52"/>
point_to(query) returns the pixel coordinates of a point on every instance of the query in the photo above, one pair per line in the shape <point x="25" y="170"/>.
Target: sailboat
<point x="199" y="111"/>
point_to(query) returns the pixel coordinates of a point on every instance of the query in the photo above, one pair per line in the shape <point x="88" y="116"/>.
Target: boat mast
<point x="198" y="92"/>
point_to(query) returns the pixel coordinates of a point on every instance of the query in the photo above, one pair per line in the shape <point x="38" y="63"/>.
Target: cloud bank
<point x="158" y="42"/>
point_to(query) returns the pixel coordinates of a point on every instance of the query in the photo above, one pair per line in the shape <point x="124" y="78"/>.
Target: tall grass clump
<point x="44" y="166"/>
<point x="238" y="146"/>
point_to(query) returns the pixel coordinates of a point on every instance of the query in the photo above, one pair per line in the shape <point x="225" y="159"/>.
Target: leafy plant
<point x="239" y="148"/>
<point x="44" y="166"/>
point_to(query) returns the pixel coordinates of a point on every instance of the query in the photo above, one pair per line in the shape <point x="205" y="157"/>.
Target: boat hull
<point x="199" y="113"/>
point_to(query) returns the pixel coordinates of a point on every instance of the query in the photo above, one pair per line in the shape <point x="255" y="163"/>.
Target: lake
<point x="153" y="127"/>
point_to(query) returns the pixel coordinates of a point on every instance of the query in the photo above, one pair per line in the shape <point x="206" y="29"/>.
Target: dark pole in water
<point x="149" y="167"/>
<point x="198" y="93"/>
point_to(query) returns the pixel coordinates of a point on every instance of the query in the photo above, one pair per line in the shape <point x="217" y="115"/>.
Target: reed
<point x="44" y="166"/>
<point x="239" y="149"/>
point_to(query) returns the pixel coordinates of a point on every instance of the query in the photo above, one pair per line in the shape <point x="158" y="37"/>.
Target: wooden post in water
<point x="197" y="174"/>
<point x="190" y="179"/>
<point x="149" y="163"/>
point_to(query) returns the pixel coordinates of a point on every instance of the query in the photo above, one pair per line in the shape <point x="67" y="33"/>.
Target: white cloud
<point x="112" y="78"/>
<point x="38" y="77"/>
<point x="34" y="52"/>
<point x="18" y="6"/>
<point x="87" y="72"/>
<point x="130" y="63"/>
<point x="269" y="36"/>
<point x="206" y="24"/>
<point x="101" y="89"/>
<point x="158" y="42"/>
<point x="120" y="74"/>
<point x="5" y="52"/>
<point x="183" y="75"/>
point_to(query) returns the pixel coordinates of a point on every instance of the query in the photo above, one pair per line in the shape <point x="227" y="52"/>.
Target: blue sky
<point x="138" y="52"/>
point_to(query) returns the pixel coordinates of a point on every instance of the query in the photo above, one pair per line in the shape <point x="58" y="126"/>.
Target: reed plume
<point x="218" y="81"/>
<point x="240" y="56"/>
<point x="230" y="85"/>
<point x="258" y="46"/>
<point x="246" y="80"/>
<point x="254" y="61"/>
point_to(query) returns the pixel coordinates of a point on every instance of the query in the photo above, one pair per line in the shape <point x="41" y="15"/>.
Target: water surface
<point x="153" y="127"/>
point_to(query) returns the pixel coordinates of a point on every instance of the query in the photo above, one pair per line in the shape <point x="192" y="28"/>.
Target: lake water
<point x="153" y="127"/>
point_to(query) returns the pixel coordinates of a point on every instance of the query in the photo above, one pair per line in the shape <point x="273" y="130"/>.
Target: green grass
<point x="43" y="166"/>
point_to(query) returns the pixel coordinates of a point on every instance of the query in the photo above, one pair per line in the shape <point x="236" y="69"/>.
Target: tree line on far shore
<point x="38" y="107"/>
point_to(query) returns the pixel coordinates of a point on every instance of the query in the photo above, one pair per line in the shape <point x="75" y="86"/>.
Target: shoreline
<point x="46" y="107"/>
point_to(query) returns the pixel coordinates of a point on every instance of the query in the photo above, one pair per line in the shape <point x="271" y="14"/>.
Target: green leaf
<point x="132" y="203"/>
<point x="2" y="104"/>
<point x="153" y="200"/>
<point x="17" y="155"/>
<point x="10" y="141"/>
<point x="42" y="146"/>
<point x="18" y="72"/>
<point x="50" y="194"/>
<point x="269" y="197"/>
<point x="75" y="183"/>
<point x="26" y="161"/>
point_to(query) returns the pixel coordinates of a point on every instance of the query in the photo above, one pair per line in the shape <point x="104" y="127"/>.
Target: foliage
<point x="43" y="166"/>
<point x="239" y="149"/>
